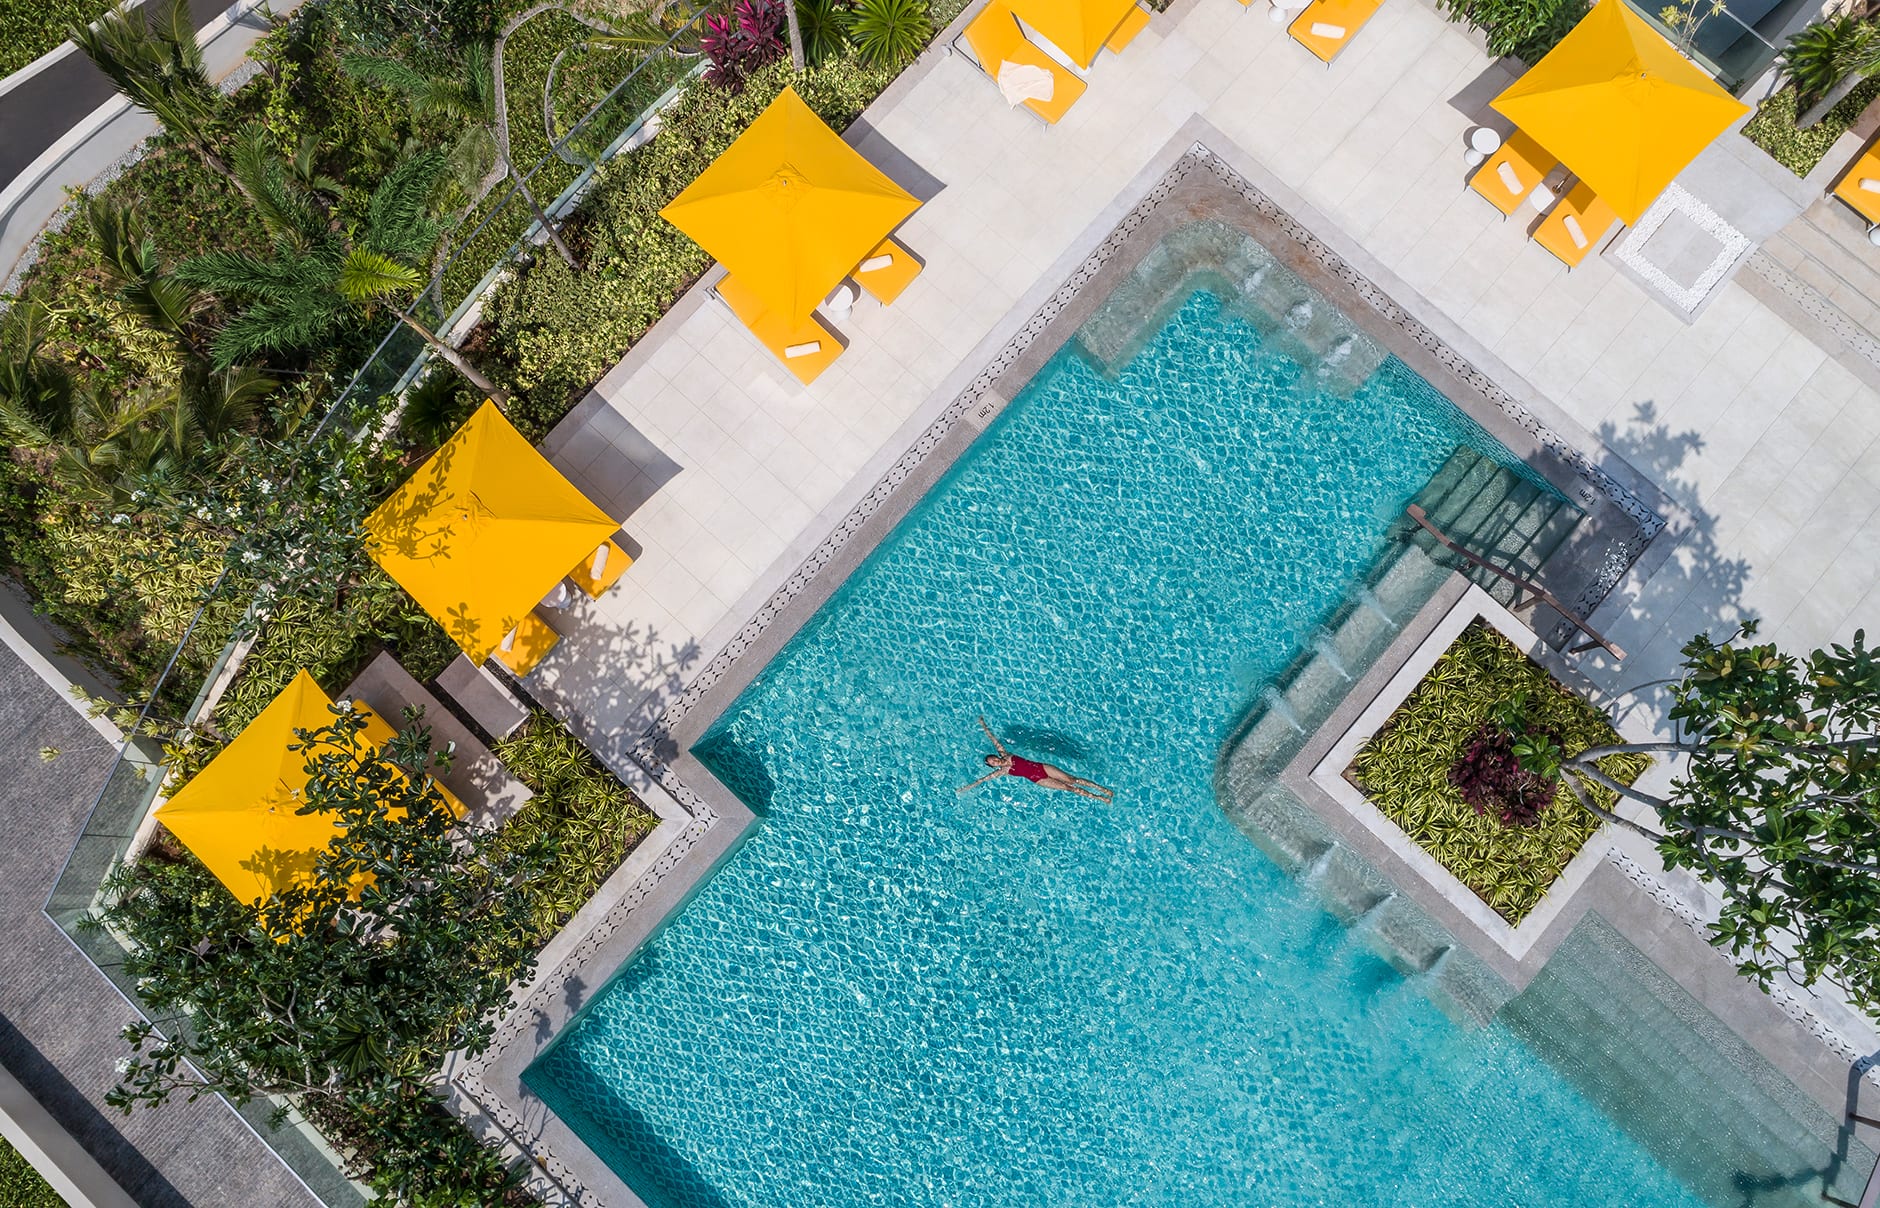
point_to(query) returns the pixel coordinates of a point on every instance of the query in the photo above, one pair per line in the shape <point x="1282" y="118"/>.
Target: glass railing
<point x="502" y="230"/>
<point x="1734" y="50"/>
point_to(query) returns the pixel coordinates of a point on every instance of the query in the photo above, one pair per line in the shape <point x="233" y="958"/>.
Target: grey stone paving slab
<point x="59" y="1017"/>
<point x="475" y="776"/>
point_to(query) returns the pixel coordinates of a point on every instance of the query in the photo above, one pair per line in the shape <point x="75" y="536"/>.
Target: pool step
<point x="1496" y="513"/>
<point x="1639" y="1046"/>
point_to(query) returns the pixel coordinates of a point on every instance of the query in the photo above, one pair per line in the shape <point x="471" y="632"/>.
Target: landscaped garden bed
<point x="1773" y="126"/>
<point x="31" y="28"/>
<point x="1444" y="739"/>
<point x="20" y="1184"/>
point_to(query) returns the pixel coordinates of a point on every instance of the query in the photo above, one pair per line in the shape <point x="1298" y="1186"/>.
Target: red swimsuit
<point x="1028" y="769"/>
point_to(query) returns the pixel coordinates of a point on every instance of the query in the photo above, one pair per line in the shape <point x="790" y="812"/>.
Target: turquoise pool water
<point x="895" y="994"/>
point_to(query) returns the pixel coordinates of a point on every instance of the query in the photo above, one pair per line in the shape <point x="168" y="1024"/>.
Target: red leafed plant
<point x="741" y="41"/>
<point x="1490" y="776"/>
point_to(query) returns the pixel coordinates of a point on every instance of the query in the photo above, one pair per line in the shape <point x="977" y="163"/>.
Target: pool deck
<point x="729" y="475"/>
<point x="727" y="472"/>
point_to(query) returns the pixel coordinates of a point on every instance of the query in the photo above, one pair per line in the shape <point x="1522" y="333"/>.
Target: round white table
<point x="1484" y="140"/>
<point x="840" y="302"/>
<point x="1540" y="197"/>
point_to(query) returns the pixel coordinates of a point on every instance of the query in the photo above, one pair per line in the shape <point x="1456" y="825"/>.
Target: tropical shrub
<point x="1825" y="53"/>
<point x="824" y="24"/>
<point x="1525" y="29"/>
<point x="1490" y="776"/>
<point x="557" y="329"/>
<point x="30" y="28"/>
<point x="1483" y="685"/>
<point x="889" y="33"/>
<point x="20" y="1184"/>
<point x="1774" y="127"/>
<point x="742" y="41"/>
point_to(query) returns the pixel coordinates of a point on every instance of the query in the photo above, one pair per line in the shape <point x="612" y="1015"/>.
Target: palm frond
<point x="276" y="325"/>
<point x="245" y="275"/>
<point x="164" y="302"/>
<point x="128" y="252"/>
<point x="366" y="275"/>
<point x="287" y="214"/>
<point x="223" y="402"/>
<point x="398" y="221"/>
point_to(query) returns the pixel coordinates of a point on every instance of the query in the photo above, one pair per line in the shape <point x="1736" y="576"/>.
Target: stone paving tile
<point x="1740" y="417"/>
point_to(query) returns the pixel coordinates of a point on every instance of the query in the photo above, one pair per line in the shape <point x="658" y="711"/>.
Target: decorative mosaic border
<point x="1198" y="157"/>
<point x="1789" y="1003"/>
<point x="1816" y="305"/>
<point x="1676" y="200"/>
<point x="972" y="402"/>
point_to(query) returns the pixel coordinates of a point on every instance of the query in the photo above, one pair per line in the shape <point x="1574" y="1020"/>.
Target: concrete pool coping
<point x="488" y="1090"/>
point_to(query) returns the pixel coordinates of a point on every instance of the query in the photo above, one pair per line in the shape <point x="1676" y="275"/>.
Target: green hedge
<point x="1404" y="770"/>
<point x="20" y="1184"/>
<point x="1773" y="127"/>
<point x="30" y="28"/>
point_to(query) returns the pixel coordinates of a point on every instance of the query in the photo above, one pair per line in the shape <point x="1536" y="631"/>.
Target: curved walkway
<point x="64" y="125"/>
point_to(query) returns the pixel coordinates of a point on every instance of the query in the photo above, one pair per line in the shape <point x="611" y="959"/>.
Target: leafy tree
<point x="1777" y="804"/>
<point x="320" y="276"/>
<point x="470" y="94"/>
<point x="344" y="990"/>
<point x="156" y="62"/>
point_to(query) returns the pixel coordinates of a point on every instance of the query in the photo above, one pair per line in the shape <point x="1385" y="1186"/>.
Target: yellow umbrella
<point x="483" y="530"/>
<point x="238" y="815"/>
<point x="1620" y="107"/>
<point x="790" y="209"/>
<point x="1079" y="28"/>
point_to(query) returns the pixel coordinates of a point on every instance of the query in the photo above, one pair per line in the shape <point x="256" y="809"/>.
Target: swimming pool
<point x="897" y="994"/>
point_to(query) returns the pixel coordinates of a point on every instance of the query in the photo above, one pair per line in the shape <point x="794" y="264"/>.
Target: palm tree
<point x="796" y="36"/>
<point x="156" y="63"/>
<point x="1828" y="60"/>
<point x="104" y="448"/>
<point x="318" y="276"/>
<point x="469" y="95"/>
<point x="150" y="292"/>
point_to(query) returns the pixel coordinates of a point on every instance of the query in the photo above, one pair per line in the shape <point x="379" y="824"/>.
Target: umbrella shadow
<point x="893" y="162"/>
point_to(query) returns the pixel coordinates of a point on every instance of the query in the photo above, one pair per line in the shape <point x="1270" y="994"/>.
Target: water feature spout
<point x="1338" y="355"/>
<point x="1299" y="314"/>
<point x="1276" y="702"/>
<point x="1251" y="284"/>
<point x="1328" y="650"/>
<point x="1371" y="602"/>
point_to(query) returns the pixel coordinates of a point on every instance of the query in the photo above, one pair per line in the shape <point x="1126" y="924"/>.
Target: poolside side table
<point x="1483" y="142"/>
<point x="483" y="697"/>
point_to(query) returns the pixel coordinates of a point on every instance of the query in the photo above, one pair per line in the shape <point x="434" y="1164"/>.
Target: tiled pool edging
<point x="488" y="1089"/>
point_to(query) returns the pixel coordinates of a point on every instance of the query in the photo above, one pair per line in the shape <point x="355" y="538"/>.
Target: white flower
<point x="251" y="556"/>
<point x="203" y="513"/>
<point x="123" y="1066"/>
<point x="267" y="488"/>
<point x="121" y="518"/>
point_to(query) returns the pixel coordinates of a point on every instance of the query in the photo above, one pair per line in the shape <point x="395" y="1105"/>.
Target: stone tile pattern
<point x="60" y="1018"/>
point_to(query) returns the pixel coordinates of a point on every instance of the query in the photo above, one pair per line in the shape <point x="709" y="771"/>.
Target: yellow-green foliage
<point x="1404" y="770"/>
<point x="20" y="1184"/>
<point x="558" y="329"/>
<point x="1773" y="127"/>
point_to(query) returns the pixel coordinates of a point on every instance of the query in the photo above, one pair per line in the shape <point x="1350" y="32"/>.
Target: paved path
<point x="37" y="113"/>
<point x="59" y="1017"/>
<point x="63" y="132"/>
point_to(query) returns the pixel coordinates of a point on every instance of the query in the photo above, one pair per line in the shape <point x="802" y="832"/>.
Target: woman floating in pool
<point x="1044" y="775"/>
